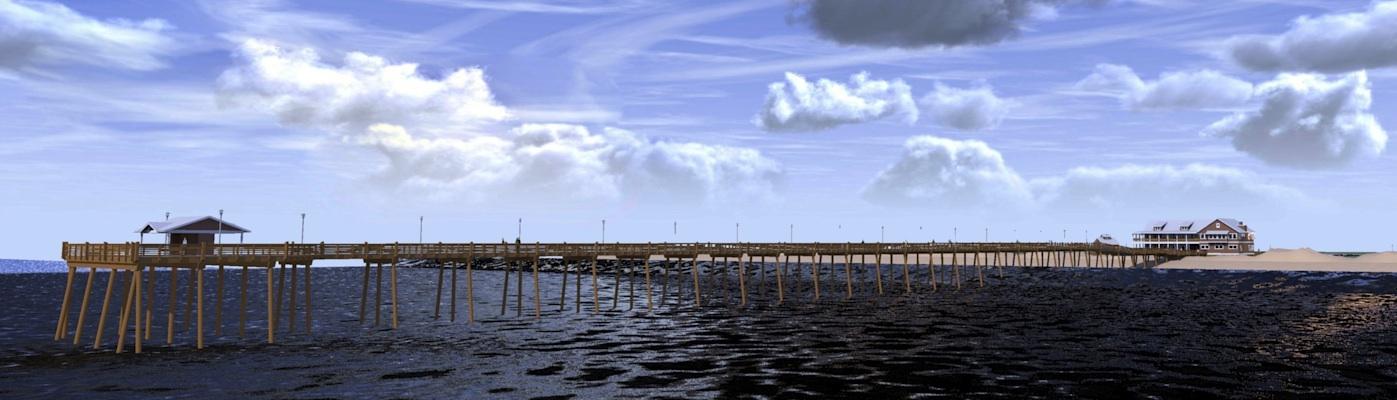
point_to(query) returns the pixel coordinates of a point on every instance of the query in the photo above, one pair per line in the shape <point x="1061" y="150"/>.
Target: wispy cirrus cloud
<point x="41" y="33"/>
<point x="1172" y="90"/>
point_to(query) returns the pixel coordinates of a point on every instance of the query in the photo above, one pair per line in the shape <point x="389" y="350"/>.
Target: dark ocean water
<point x="1034" y="333"/>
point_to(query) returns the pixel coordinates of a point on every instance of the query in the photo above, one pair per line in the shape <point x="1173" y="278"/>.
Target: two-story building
<point x="1221" y="235"/>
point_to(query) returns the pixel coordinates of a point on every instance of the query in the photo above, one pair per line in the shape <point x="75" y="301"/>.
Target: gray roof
<point x="1190" y="226"/>
<point x="181" y="224"/>
<point x="1107" y="239"/>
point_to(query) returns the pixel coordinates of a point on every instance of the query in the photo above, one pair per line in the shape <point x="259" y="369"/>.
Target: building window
<point x="1204" y="247"/>
<point x="1233" y="247"/>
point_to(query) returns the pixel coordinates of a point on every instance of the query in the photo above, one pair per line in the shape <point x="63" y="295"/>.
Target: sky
<point x="770" y="120"/>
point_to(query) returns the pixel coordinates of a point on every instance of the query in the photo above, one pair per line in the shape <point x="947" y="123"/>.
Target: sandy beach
<point x="1291" y="260"/>
<point x="1033" y="333"/>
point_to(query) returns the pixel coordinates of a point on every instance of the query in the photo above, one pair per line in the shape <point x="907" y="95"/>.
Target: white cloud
<point x="1173" y="90"/>
<point x="1306" y="121"/>
<point x="1159" y="187"/>
<point x="36" y="33"/>
<point x="916" y="24"/>
<point x="936" y="172"/>
<point x="965" y="109"/>
<point x="799" y="105"/>
<point x="301" y="90"/>
<point x="569" y="159"/>
<point x="441" y="137"/>
<point x="1327" y="43"/>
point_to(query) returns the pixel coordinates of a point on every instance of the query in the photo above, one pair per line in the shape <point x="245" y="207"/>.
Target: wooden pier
<point x="290" y="261"/>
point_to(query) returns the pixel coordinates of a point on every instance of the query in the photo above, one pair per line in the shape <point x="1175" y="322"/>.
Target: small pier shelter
<point x="192" y="230"/>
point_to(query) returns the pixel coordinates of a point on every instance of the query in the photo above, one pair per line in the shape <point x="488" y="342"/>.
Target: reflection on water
<point x="1033" y="333"/>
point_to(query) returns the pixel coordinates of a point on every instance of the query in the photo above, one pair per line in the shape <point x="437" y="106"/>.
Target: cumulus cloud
<point x="36" y="33"/>
<point x="1327" y="43"/>
<point x="1307" y="121"/>
<point x="365" y="90"/>
<point x="799" y="105"/>
<point x="444" y="137"/>
<point x="970" y="109"/>
<point x="916" y="24"/>
<point x="937" y="172"/>
<point x="1173" y="90"/>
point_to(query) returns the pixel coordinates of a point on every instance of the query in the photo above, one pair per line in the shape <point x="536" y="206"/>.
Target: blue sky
<point x="916" y="121"/>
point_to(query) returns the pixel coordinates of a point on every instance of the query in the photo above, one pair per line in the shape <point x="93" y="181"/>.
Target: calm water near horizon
<point x="1035" y="333"/>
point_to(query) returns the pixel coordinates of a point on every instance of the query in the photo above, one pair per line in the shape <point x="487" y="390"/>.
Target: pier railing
<point x="134" y="253"/>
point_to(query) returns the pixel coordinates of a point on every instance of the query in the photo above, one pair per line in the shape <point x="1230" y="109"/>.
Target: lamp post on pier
<point x="219" y="238"/>
<point x="303" y="228"/>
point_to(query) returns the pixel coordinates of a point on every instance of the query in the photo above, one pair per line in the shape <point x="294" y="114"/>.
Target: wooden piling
<point x="630" y="283"/>
<point x="62" y="327"/>
<point x="126" y="311"/>
<point x="82" y="311"/>
<point x="170" y="308"/>
<point x="649" y="305"/>
<point x="112" y="277"/>
<point x="470" y="288"/>
<point x="596" y="291"/>
<point x="309" y="319"/>
<point x="780" y="285"/>
<point x="242" y="304"/>
<point x="271" y="304"/>
<point x="291" y="296"/>
<point x="518" y="290"/>
<point x="453" y="291"/>
<point x="848" y="277"/>
<point x="538" y="296"/>
<point x="563" y="297"/>
<point x="150" y="300"/>
<point x="199" y="310"/>
<point x="980" y="269"/>
<point x="906" y="274"/>
<point x="138" y="338"/>
<point x="394" y="276"/>
<point x="931" y="270"/>
<point x="815" y="274"/>
<point x="955" y="266"/>
<point x="698" y="293"/>
<point x="504" y="290"/>
<point x="878" y="269"/>
<point x="742" y="277"/>
<point x="441" y="281"/>
<point x="218" y="303"/>
<point x="616" y="289"/>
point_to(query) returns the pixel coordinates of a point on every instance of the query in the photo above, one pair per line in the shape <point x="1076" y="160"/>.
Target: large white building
<point x="1221" y="235"/>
